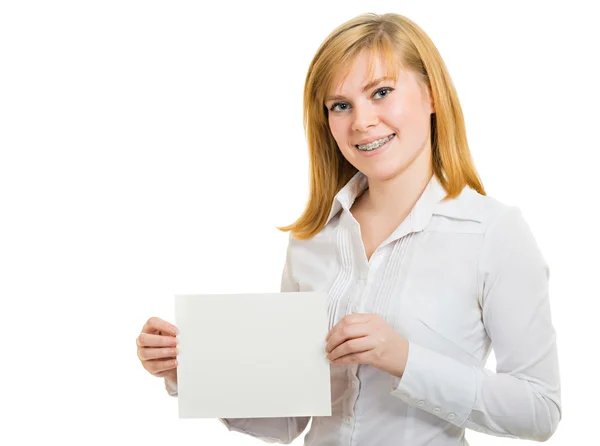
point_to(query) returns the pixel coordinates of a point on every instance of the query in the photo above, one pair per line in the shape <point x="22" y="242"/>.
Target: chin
<point x="382" y="173"/>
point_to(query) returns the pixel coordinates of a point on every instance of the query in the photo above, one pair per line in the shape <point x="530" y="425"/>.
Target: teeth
<point x="375" y="144"/>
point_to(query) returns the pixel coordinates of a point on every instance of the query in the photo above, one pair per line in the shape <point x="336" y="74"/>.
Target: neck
<point x="403" y="190"/>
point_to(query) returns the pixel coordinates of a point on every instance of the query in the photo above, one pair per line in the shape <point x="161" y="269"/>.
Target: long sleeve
<point x="522" y="399"/>
<point x="271" y="430"/>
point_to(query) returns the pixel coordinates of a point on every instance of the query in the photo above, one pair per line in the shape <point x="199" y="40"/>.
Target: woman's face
<point x="383" y="127"/>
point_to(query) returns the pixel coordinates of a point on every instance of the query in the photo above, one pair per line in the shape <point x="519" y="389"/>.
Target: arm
<point x="522" y="399"/>
<point x="272" y="430"/>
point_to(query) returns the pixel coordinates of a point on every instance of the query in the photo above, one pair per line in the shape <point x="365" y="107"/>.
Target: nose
<point x="365" y="116"/>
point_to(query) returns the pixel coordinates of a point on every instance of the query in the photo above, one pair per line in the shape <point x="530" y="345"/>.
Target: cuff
<point x="239" y="425"/>
<point x="437" y="384"/>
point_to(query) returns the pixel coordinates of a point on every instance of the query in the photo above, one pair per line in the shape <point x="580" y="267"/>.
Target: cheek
<point x="395" y="114"/>
<point x="338" y="130"/>
<point x="407" y="117"/>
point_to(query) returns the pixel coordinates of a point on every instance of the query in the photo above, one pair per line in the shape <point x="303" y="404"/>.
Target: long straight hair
<point x="401" y="44"/>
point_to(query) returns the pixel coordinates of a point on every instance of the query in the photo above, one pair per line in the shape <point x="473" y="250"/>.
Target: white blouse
<point x="456" y="278"/>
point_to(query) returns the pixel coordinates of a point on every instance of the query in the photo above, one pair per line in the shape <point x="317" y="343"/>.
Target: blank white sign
<point x="252" y="355"/>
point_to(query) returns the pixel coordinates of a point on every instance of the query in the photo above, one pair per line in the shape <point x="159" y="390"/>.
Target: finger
<point x="163" y="373"/>
<point x="346" y="333"/>
<point x="351" y="319"/>
<point x="354" y="358"/>
<point x="156" y="325"/>
<point x="352" y="346"/>
<point x="157" y="366"/>
<point x="152" y="340"/>
<point x="148" y="353"/>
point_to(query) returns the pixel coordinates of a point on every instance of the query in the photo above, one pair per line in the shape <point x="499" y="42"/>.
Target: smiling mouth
<point x="375" y="144"/>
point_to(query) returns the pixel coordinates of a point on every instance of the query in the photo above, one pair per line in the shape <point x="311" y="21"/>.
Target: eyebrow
<point x="365" y="88"/>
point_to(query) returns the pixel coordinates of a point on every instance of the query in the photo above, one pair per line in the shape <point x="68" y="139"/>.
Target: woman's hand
<point x="367" y="339"/>
<point x="156" y="348"/>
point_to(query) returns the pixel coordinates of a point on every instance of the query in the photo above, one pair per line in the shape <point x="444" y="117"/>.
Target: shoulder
<point x="500" y="225"/>
<point x="497" y="217"/>
<point x="505" y="231"/>
<point x="490" y="212"/>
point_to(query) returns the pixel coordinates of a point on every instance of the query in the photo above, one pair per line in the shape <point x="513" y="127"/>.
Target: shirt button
<point x="421" y="403"/>
<point x="348" y="420"/>
<point x="404" y="396"/>
<point x="437" y="410"/>
<point x="354" y="309"/>
<point x="354" y="384"/>
<point x="451" y="416"/>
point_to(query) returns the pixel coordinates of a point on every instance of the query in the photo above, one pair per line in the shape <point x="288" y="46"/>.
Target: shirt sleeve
<point x="522" y="398"/>
<point x="281" y="430"/>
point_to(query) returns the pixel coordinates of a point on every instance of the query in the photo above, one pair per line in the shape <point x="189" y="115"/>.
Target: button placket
<point x="361" y="291"/>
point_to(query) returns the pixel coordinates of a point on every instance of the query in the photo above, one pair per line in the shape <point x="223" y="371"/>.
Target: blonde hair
<point x="401" y="44"/>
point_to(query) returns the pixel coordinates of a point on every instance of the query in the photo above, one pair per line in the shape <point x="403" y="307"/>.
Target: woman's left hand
<point x="367" y="339"/>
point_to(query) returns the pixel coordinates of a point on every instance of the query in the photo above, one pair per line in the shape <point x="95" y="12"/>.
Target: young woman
<point x="424" y="272"/>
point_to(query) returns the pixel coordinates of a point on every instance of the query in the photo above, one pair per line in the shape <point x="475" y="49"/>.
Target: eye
<point x="339" y="106"/>
<point x="385" y="91"/>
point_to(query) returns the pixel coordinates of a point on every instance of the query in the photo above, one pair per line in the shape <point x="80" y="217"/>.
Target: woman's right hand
<point x="157" y="348"/>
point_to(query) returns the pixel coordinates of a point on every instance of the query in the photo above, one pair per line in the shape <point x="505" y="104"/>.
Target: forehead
<point x="364" y="68"/>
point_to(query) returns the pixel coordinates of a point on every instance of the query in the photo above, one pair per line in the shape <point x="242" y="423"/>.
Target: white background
<point x="150" y="148"/>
